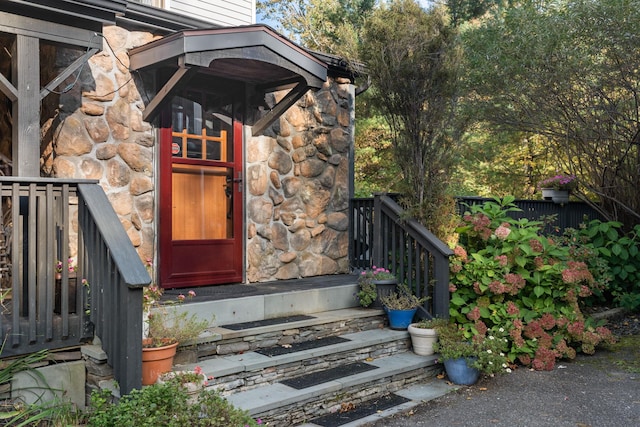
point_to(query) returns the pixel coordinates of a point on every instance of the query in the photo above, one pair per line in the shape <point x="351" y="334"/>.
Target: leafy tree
<point x="330" y="26"/>
<point x="412" y="57"/>
<point x="567" y="71"/>
<point x="375" y="170"/>
<point x="465" y="10"/>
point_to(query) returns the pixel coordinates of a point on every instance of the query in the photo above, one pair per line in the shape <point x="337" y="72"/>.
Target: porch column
<point x="25" y="75"/>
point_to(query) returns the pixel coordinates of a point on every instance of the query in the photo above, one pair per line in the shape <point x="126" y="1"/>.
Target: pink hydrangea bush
<point x="506" y="276"/>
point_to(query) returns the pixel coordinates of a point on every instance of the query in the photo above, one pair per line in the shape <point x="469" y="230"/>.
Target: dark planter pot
<point x="73" y="283"/>
<point x="384" y="288"/>
<point x="459" y="372"/>
<point x="400" y="319"/>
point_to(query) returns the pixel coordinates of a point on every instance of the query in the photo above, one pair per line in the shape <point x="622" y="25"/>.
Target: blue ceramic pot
<point x="459" y="372"/>
<point x="400" y="319"/>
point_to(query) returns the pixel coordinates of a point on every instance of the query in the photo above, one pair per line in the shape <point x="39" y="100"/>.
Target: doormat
<point x="325" y="376"/>
<point x="301" y="346"/>
<point x="363" y="409"/>
<point x="219" y="290"/>
<point x="266" y="322"/>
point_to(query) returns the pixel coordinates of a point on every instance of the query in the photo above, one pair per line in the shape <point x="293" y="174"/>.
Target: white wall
<point x="222" y="12"/>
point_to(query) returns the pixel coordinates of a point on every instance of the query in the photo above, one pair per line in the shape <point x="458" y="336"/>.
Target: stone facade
<point x="100" y="135"/>
<point x="297" y="186"/>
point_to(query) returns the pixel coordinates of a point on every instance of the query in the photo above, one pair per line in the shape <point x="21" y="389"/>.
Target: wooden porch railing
<point x="417" y="257"/>
<point x="40" y="310"/>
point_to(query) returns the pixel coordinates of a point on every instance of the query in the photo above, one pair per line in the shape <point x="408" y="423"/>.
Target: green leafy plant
<point x="165" y="405"/>
<point x="487" y="353"/>
<point x="612" y="255"/>
<point x="166" y="323"/>
<point x="402" y="299"/>
<point x="367" y="292"/>
<point x="16" y="412"/>
<point x="434" y="323"/>
<point x="505" y="275"/>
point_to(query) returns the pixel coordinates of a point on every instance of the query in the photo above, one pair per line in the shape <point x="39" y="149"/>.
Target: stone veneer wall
<point x="298" y="188"/>
<point x="100" y="135"/>
<point x="297" y="183"/>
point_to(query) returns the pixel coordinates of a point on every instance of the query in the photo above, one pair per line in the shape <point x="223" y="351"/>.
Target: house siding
<point x="226" y="13"/>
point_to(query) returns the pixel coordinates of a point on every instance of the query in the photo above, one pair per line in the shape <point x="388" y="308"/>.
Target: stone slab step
<point x="278" y="396"/>
<point x="252" y="361"/>
<point x="221" y="341"/>
<point x="279" y="304"/>
<point x="414" y="395"/>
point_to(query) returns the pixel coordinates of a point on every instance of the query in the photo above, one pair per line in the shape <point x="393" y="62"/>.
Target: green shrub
<point x="506" y="275"/>
<point x="614" y="254"/>
<point x="165" y="405"/>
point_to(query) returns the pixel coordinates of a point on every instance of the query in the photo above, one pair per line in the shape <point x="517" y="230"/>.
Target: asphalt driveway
<point x="602" y="390"/>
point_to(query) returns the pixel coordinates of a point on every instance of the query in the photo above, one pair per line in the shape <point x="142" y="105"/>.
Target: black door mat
<point x="300" y="346"/>
<point x="361" y="410"/>
<point x="327" y="375"/>
<point x="265" y="322"/>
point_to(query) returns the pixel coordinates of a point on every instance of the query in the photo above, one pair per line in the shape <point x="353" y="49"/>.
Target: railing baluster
<point x="16" y="289"/>
<point x="413" y="253"/>
<point x="50" y="261"/>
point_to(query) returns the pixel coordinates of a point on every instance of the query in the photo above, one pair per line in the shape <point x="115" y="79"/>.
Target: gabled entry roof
<point x="255" y="55"/>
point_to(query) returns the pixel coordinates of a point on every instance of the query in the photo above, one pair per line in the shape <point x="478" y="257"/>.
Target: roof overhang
<point x="255" y="55"/>
<point x="76" y="23"/>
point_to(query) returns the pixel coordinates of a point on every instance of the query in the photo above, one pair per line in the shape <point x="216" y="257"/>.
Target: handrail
<point x="42" y="308"/>
<point x="414" y="254"/>
<point x="117" y="277"/>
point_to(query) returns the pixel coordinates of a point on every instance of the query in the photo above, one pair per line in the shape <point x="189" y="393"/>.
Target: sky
<point x="262" y="20"/>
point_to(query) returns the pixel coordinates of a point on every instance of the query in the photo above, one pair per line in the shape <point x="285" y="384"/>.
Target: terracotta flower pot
<point x="156" y="361"/>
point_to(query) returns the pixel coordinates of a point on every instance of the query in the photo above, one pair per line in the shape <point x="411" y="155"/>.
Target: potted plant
<point x="193" y="382"/>
<point x="166" y="327"/>
<point x="424" y="334"/>
<point x="401" y="305"/>
<point x="375" y="283"/>
<point x="558" y="187"/>
<point x="464" y="357"/>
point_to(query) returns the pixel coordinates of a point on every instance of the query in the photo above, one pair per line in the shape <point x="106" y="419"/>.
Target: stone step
<point x="272" y="300"/>
<point x="280" y="404"/>
<point x="371" y="411"/>
<point x="261" y="375"/>
<point x="224" y="341"/>
<point x="239" y="372"/>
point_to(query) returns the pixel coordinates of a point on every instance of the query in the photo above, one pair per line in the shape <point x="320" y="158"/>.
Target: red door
<point x="200" y="193"/>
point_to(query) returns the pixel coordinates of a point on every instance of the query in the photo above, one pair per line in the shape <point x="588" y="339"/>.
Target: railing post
<point x="441" y="287"/>
<point x="130" y="370"/>
<point x="376" y="250"/>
